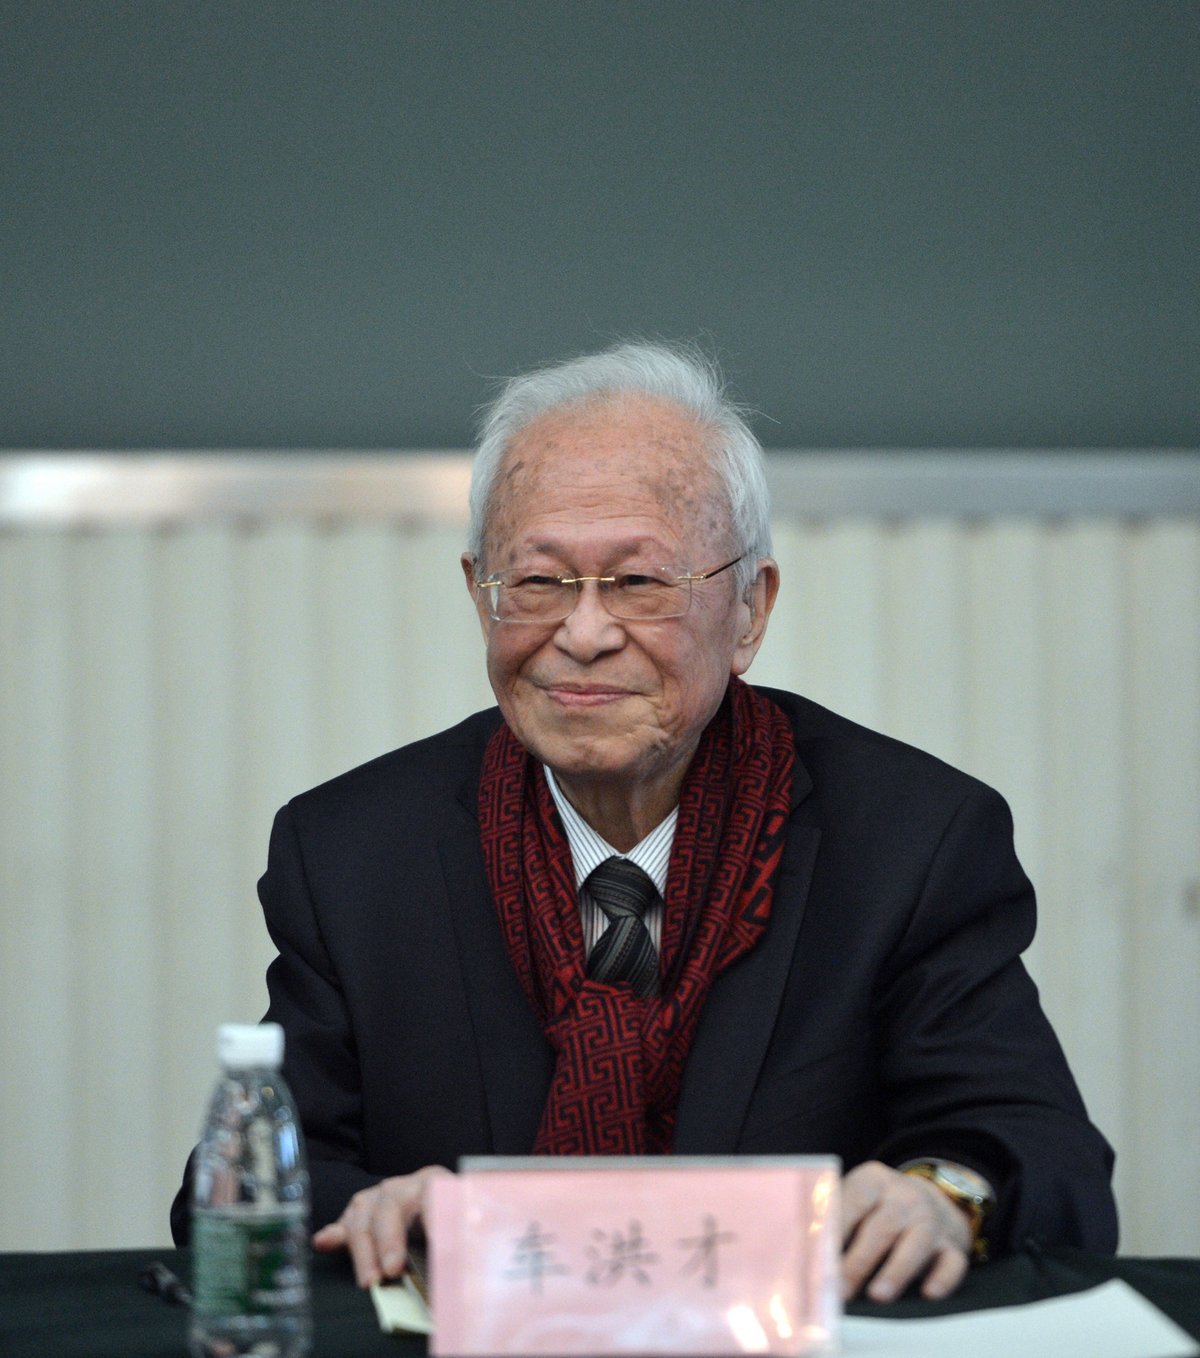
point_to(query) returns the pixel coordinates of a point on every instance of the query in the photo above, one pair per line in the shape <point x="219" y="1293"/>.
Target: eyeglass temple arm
<point x="716" y="570"/>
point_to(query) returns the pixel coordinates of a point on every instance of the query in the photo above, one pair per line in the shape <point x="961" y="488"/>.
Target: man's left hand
<point x="897" y="1228"/>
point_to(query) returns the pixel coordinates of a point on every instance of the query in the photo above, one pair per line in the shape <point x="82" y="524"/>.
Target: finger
<point x="403" y="1206"/>
<point x="331" y="1237"/>
<point x="862" y="1189"/>
<point x="364" y="1256"/>
<point x="905" y="1261"/>
<point x="949" y="1269"/>
<point x="396" y="1210"/>
<point x="866" y="1252"/>
<point x="360" y="1238"/>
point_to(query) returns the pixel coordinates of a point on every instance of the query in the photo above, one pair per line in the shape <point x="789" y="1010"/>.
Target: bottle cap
<point x="250" y="1044"/>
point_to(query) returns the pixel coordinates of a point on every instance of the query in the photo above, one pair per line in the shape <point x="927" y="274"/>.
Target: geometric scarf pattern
<point x="619" y="1057"/>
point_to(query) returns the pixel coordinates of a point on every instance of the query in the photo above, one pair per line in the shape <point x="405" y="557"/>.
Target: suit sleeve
<point x="321" y="1063"/>
<point x="320" y="1060"/>
<point x="970" y="1067"/>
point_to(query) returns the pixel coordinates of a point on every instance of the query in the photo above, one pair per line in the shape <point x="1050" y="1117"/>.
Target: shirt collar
<point x="589" y="849"/>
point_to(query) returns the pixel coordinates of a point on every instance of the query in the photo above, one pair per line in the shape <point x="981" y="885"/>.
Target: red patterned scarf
<point x="620" y="1058"/>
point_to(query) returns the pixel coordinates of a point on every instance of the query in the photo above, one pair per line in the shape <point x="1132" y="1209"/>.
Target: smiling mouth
<point x="567" y="695"/>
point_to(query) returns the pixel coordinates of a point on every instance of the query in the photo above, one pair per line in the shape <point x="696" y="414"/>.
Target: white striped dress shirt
<point x="589" y="850"/>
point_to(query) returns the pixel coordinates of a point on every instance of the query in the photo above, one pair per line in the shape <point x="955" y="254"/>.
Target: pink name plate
<point x="648" y="1255"/>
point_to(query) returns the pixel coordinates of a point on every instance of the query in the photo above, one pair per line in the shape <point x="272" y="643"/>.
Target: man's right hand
<point x="374" y="1226"/>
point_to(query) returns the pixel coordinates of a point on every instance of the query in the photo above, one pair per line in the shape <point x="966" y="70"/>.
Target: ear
<point x="478" y="597"/>
<point x="756" y="611"/>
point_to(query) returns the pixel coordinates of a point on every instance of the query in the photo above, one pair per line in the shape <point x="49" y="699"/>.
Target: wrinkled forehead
<point x="587" y="461"/>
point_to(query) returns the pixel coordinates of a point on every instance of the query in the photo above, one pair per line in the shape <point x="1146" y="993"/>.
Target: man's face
<point x="588" y="492"/>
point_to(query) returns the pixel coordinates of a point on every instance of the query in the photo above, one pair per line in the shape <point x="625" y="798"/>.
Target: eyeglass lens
<point x="630" y="596"/>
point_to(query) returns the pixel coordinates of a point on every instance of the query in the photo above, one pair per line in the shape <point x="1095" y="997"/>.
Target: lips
<point x="583" y="695"/>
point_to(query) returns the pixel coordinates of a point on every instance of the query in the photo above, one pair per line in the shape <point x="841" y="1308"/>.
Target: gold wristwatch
<point x="969" y="1192"/>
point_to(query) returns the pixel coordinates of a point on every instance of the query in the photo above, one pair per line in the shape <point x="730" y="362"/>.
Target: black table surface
<point x="89" y="1305"/>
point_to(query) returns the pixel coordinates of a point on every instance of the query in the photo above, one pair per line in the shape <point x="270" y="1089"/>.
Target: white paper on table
<point x="401" y="1308"/>
<point x="1109" y="1321"/>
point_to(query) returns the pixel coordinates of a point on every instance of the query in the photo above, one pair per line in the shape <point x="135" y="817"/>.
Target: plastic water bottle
<point x="250" y="1287"/>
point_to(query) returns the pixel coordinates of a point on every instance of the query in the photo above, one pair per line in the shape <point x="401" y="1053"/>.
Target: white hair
<point x="678" y="373"/>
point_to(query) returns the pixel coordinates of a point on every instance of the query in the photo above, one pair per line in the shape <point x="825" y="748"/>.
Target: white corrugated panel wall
<point x="167" y="685"/>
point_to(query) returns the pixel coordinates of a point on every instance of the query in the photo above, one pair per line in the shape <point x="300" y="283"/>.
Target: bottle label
<point x="247" y="1265"/>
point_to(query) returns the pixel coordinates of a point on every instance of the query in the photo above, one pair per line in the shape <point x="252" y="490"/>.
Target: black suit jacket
<point x="885" y="1012"/>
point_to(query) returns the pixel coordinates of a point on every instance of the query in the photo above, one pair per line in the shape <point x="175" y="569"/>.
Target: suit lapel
<point x="515" y="1062"/>
<point x="742" y="1006"/>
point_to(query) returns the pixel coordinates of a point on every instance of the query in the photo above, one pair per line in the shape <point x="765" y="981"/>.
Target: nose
<point x="589" y="630"/>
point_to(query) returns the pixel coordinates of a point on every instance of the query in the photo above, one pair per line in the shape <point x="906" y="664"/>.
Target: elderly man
<point x="644" y="908"/>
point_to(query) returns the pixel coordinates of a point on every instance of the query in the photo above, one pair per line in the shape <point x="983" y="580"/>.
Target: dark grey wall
<point x="257" y="223"/>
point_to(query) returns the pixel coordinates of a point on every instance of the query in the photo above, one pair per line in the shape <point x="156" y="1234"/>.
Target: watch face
<point x="964" y="1181"/>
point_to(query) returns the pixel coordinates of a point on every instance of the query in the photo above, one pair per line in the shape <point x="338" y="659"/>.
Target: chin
<point x="585" y="759"/>
<point x="572" y="762"/>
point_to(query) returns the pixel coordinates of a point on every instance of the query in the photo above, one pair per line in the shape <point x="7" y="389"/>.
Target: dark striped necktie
<point x="624" y="952"/>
